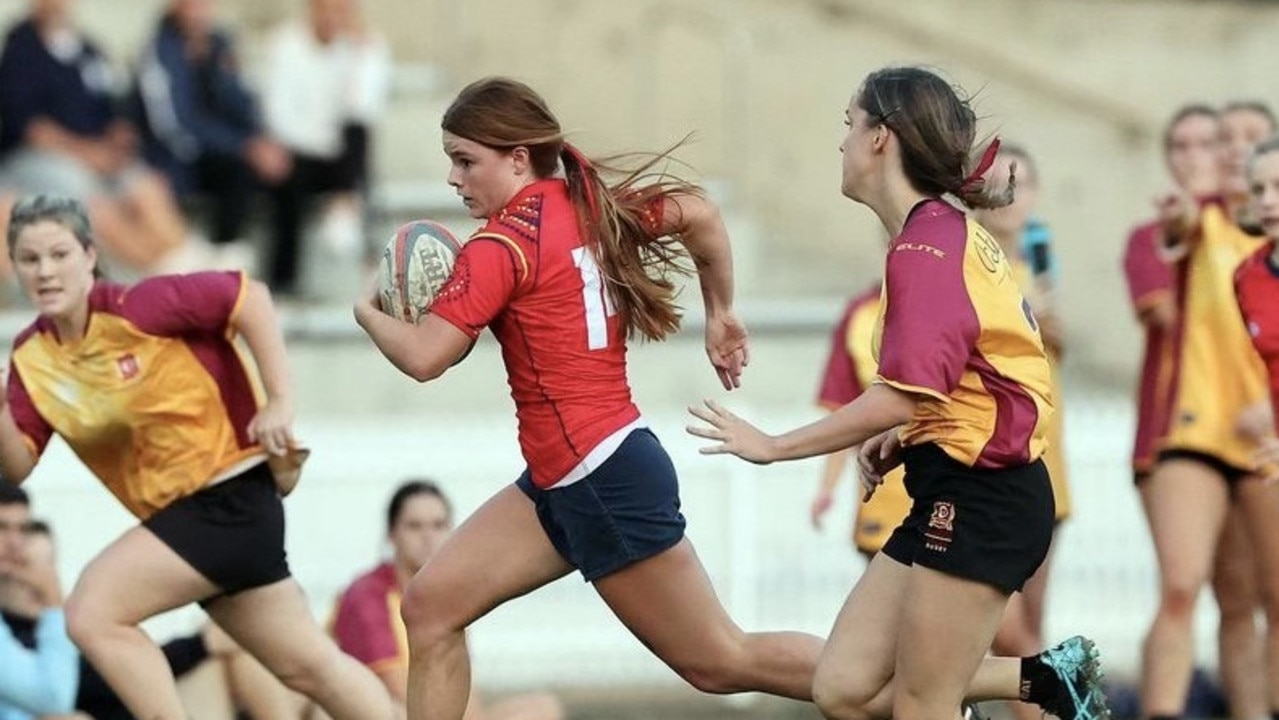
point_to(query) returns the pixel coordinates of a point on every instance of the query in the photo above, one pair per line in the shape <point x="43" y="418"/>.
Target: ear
<point x="520" y="158"/>
<point x="879" y="143"/>
<point x="92" y="253"/>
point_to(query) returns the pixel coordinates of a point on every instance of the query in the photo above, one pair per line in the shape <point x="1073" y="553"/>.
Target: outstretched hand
<point x="727" y="347"/>
<point x="733" y="434"/>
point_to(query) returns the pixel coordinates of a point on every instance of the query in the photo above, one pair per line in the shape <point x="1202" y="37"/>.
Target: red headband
<point x="588" y="186"/>
<point x="977" y="176"/>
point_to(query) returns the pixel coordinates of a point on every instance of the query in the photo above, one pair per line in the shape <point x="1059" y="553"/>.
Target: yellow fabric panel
<point x="1220" y="371"/>
<point x="880" y="516"/>
<point x="151" y="437"/>
<point x="861" y="335"/>
<point x="963" y="424"/>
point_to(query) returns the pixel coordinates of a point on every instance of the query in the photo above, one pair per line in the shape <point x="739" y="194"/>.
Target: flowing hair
<point x="620" y="221"/>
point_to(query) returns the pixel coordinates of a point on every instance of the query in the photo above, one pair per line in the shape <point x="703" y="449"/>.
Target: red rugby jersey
<point x="528" y="276"/>
<point x="1257" y="290"/>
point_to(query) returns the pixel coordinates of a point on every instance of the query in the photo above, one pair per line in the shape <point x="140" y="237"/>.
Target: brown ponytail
<point x="638" y="266"/>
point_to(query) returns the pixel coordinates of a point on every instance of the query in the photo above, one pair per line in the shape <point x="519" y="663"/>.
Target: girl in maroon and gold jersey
<point x="1218" y="416"/>
<point x="962" y="398"/>
<point x="146" y="386"/>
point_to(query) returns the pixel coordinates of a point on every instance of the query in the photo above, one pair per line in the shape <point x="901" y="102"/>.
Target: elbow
<point x="425" y="371"/>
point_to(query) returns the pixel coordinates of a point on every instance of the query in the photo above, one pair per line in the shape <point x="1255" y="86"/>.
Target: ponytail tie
<point x="588" y="186"/>
<point x="977" y="176"/>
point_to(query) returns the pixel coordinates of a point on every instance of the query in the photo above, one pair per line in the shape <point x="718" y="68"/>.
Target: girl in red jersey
<point x="146" y="386"/>
<point x="961" y="398"/>
<point x="564" y="271"/>
<point x="1257" y="284"/>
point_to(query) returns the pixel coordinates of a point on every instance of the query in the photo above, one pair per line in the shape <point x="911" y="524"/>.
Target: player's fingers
<point x="705" y="415"/>
<point x="704" y="432"/>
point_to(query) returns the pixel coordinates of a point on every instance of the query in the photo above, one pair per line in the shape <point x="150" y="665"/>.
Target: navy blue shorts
<point x="626" y="511"/>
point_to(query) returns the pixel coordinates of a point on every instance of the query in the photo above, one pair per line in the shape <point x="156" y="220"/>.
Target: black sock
<point x="1165" y="717"/>
<point x="1038" y="681"/>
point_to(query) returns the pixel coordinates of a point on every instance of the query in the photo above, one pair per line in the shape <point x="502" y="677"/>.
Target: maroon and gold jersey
<point x="1257" y="291"/>
<point x="155" y="398"/>
<point x="366" y="623"/>
<point x="955" y="332"/>
<point x="529" y="276"/>
<point x="1218" y="374"/>
<point x="1150" y="281"/>
<point x="1055" y="434"/>
<point x="850" y="369"/>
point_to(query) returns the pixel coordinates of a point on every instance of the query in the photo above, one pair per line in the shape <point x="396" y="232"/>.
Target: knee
<point x="841" y="697"/>
<point x="308" y="673"/>
<point x="85" y="624"/>
<point x="425" y="610"/>
<point x="1177" y="600"/>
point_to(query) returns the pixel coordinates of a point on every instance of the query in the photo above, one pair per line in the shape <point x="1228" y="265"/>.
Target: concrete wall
<point x="762" y="84"/>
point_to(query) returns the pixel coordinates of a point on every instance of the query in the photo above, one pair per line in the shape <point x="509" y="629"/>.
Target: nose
<point x="45" y="267"/>
<point x="454" y="178"/>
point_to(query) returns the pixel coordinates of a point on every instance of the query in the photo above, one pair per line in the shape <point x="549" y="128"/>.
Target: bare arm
<point x="700" y="227"/>
<point x="422" y="351"/>
<point x="16" y="460"/>
<point x="879" y="408"/>
<point x="257" y="322"/>
<point x="832" y="473"/>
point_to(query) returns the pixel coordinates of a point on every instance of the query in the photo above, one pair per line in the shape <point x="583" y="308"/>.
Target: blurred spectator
<point x="38" y="663"/>
<point x="367" y="622"/>
<point x="30" y="593"/>
<point x="61" y="133"/>
<point x="327" y="79"/>
<point x="1022" y="629"/>
<point x="201" y="126"/>
<point x="850" y="369"/>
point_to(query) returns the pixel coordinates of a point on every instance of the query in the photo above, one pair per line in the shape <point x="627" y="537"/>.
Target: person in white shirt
<point x="327" y="78"/>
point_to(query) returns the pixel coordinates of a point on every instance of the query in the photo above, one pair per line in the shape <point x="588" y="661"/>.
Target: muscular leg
<point x="135" y="578"/>
<point x="1259" y="503"/>
<point x="668" y="603"/>
<point x="1240" y="650"/>
<point x="1186" y="503"/>
<point x="1021" y="630"/>
<point x="499" y="553"/>
<point x="273" y="623"/>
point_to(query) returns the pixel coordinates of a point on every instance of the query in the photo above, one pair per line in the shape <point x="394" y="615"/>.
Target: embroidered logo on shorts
<point x="941" y="527"/>
<point x="128" y="365"/>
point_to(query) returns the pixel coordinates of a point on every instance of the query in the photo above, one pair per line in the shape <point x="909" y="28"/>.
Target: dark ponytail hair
<point x="936" y="129"/>
<point x="410" y="489"/>
<point x="617" y="220"/>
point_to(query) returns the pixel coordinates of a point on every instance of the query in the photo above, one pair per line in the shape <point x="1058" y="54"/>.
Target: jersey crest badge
<point x="128" y="366"/>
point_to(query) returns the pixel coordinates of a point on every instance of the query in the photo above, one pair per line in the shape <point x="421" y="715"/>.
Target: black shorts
<point x="992" y="526"/>
<point x="625" y="511"/>
<point x="1231" y="473"/>
<point x="232" y="533"/>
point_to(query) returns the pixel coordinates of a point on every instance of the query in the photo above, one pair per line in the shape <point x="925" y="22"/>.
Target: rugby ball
<point x="416" y="263"/>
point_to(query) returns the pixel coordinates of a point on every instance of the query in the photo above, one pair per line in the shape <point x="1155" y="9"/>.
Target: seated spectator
<point x="61" y="133"/>
<point x="39" y="663"/>
<point x="44" y="674"/>
<point x="367" y="622"/>
<point x="327" y="78"/>
<point x="201" y="126"/>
